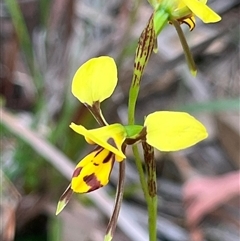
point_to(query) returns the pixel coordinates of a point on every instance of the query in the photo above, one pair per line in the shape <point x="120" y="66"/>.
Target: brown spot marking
<point x="145" y="47"/>
<point x="95" y="164"/>
<point x="147" y="43"/>
<point x="98" y="151"/>
<point x="108" y="157"/>
<point x="138" y="66"/>
<point x="93" y="188"/>
<point x="135" y="80"/>
<point x="77" y="172"/>
<point x="92" y="181"/>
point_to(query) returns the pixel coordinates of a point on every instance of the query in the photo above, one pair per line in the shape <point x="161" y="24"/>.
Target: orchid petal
<point x="172" y="131"/>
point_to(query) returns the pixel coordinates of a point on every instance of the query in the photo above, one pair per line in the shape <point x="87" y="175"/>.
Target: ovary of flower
<point x="110" y="137"/>
<point x="95" y="80"/>
<point x="93" y="171"/>
<point x="173" y="131"/>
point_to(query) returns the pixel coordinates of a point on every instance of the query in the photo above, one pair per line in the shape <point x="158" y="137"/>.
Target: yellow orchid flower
<point x="95" y="80"/>
<point x="173" y="131"/>
<point x="94" y="170"/>
<point x="184" y="11"/>
<point x="164" y="130"/>
<point x="110" y="137"/>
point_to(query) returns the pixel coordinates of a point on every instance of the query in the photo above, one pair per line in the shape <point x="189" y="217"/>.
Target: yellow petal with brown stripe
<point x="93" y="171"/>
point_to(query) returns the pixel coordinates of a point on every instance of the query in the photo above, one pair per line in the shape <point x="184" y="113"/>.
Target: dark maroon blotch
<point x="77" y="172"/>
<point x="108" y="157"/>
<point x="92" y="181"/>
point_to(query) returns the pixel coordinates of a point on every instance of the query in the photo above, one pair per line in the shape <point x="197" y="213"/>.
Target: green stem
<point x="152" y="218"/>
<point x="141" y="173"/>
<point x="144" y="49"/>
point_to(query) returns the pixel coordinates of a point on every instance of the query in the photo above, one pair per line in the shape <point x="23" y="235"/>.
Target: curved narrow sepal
<point x="188" y="55"/>
<point x="64" y="199"/>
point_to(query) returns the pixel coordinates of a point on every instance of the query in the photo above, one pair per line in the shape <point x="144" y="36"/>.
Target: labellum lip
<point x="93" y="171"/>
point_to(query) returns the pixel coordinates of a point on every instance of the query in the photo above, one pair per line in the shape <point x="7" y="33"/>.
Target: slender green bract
<point x="186" y="50"/>
<point x="144" y="49"/>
